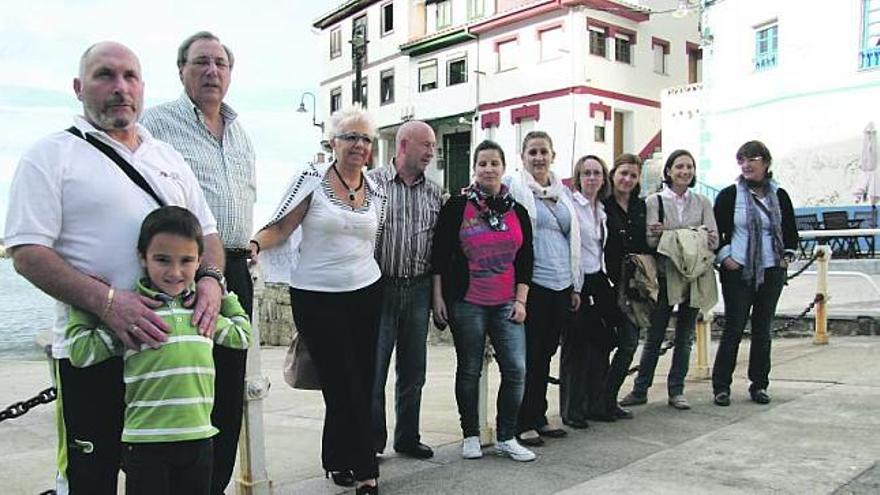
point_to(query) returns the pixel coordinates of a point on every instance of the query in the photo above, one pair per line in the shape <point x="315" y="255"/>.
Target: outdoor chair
<point x="807" y="221"/>
<point x="843" y="245"/>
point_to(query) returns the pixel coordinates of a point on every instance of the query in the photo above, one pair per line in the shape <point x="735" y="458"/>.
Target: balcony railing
<point x="765" y="61"/>
<point x="869" y="58"/>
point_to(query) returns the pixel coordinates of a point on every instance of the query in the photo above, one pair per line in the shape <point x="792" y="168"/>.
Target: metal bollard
<point x="701" y="370"/>
<point x="487" y="431"/>
<point x="822" y="258"/>
<point x="253" y="478"/>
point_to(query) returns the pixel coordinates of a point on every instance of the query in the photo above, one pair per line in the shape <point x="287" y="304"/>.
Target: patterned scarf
<point x="491" y="208"/>
<point x="756" y="214"/>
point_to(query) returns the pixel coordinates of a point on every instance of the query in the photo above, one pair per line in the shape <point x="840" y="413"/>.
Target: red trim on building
<point x="580" y="90"/>
<point x="506" y="39"/>
<point x="660" y="42"/>
<point x="490" y="119"/>
<point x="515" y="16"/>
<point x="525" y="112"/>
<point x="649" y="148"/>
<point x="548" y="27"/>
<point x="611" y="7"/>
<point x="691" y="47"/>
<point x="605" y="110"/>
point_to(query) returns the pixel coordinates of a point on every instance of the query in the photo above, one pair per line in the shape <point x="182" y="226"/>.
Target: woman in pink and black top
<point x="482" y="262"/>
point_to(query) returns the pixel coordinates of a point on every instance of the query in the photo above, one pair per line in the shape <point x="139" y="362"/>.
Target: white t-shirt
<point x="68" y="196"/>
<point x="336" y="252"/>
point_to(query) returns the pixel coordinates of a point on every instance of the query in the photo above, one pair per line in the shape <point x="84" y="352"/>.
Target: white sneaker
<point x="470" y="448"/>
<point x="511" y="448"/>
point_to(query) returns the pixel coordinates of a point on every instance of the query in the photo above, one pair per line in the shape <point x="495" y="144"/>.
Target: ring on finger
<point x="135" y="328"/>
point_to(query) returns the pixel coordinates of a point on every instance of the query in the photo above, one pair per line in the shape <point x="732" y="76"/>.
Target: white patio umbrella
<point x="868" y="187"/>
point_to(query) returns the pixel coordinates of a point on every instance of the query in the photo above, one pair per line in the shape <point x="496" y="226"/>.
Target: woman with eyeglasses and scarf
<point x="758" y="238"/>
<point x="329" y="219"/>
<point x="482" y="265"/>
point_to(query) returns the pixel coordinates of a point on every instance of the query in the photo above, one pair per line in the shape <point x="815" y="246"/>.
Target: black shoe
<point x="341" y="478"/>
<point x="551" y="432"/>
<point x="417" y="450"/>
<point x="621" y="413"/>
<point x="602" y="417"/>
<point x="722" y="399"/>
<point x="577" y="424"/>
<point x="760" y="396"/>
<point x="367" y="490"/>
<point x="530" y="441"/>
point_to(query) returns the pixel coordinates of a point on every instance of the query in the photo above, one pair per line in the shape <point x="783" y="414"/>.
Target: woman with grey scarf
<point x="758" y="238"/>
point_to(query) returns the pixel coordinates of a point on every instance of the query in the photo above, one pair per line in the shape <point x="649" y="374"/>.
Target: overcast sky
<point x="276" y="55"/>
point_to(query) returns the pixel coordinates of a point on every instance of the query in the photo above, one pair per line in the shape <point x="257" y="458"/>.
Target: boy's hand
<point x="207" y="305"/>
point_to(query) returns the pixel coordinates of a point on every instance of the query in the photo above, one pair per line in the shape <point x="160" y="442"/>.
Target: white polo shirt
<point x="68" y="196"/>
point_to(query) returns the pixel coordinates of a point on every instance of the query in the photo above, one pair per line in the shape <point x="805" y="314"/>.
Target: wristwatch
<point x="213" y="272"/>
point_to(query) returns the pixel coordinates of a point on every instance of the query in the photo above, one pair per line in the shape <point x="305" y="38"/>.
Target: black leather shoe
<point x="417" y="450"/>
<point x="621" y="413"/>
<point x="760" y="396"/>
<point x="530" y="441"/>
<point x="341" y="478"/>
<point x="577" y="424"/>
<point x="722" y="399"/>
<point x="551" y="432"/>
<point x="367" y="490"/>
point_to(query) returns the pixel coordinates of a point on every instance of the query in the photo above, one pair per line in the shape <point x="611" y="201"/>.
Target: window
<point x="869" y="56"/>
<point x="444" y="14"/>
<point x="335" y="43"/>
<point x="387" y="18"/>
<point x="428" y="76"/>
<point x="335" y="99"/>
<point x="363" y="91"/>
<point x="551" y="43"/>
<point x="476" y="8"/>
<point x="660" y="48"/>
<point x="456" y="71"/>
<point x="507" y="54"/>
<point x="766" y="46"/>
<point x="623" y="48"/>
<point x="598" y="41"/>
<point x="386" y="87"/>
<point x="599" y="133"/>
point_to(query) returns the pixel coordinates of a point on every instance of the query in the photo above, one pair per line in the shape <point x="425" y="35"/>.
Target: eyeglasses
<point x="354" y="137"/>
<point x="754" y="159"/>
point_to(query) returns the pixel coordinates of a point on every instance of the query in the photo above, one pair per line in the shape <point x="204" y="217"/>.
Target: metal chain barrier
<point x="19" y="408"/>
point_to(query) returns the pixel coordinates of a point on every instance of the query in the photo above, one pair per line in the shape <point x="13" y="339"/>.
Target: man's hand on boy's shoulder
<point x="133" y="319"/>
<point x="206" y="305"/>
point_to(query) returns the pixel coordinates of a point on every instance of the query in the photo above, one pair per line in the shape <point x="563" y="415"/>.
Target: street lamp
<point x="302" y="109"/>
<point x="359" y="53"/>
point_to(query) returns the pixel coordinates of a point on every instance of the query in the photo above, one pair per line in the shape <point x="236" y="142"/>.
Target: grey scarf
<point x="756" y="214"/>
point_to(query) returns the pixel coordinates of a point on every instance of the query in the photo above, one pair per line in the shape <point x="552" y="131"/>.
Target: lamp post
<point x="359" y="53"/>
<point x="302" y="109"/>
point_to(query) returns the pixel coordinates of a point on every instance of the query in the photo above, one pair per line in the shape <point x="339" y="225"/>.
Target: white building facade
<point x="801" y="76"/>
<point x="588" y="72"/>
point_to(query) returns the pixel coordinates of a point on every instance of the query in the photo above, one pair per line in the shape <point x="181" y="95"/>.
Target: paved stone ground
<point x="819" y="435"/>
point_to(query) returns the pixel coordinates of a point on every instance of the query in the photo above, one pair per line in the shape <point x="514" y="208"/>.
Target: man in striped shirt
<point x="207" y="132"/>
<point x="404" y="254"/>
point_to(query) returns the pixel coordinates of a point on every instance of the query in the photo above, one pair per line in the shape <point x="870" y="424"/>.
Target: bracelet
<point x="110" y="293"/>
<point x="518" y="301"/>
<point x="259" y="248"/>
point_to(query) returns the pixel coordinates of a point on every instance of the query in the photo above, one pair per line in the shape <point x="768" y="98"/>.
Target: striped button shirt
<point x="404" y="248"/>
<point x="224" y="167"/>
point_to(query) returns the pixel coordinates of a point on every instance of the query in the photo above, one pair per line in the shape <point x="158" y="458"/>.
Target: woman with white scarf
<point x="554" y="292"/>
<point x="758" y="238"/>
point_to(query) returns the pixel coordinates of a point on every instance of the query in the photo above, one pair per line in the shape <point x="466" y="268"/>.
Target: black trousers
<point x="229" y="379"/>
<point x="340" y="330"/>
<point x="168" y="468"/>
<point x="92" y="407"/>
<point x="742" y="302"/>
<point x="586" y="346"/>
<point x="546" y="315"/>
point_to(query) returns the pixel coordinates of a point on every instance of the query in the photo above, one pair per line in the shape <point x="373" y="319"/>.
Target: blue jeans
<point x="470" y="325"/>
<point x="681" y="353"/>
<point x="404" y="326"/>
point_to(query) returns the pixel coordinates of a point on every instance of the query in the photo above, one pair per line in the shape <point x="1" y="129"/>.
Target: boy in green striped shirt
<point x="169" y="390"/>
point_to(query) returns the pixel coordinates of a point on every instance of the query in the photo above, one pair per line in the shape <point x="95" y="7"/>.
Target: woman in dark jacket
<point x="758" y="237"/>
<point x="627" y="229"/>
<point x="482" y="264"/>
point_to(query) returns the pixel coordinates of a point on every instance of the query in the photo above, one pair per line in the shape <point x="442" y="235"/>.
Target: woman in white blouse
<point x="587" y="343"/>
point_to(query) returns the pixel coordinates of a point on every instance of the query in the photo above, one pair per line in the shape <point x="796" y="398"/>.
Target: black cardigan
<point x="627" y="233"/>
<point x="448" y="259"/>
<point x="725" y="205"/>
